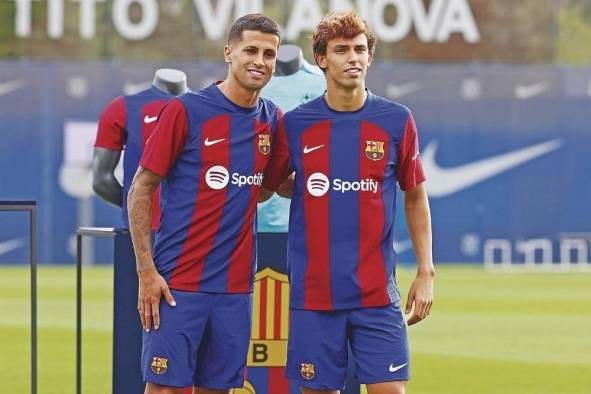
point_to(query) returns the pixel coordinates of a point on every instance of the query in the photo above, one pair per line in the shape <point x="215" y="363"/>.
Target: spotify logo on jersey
<point x="217" y="177"/>
<point x="318" y="184"/>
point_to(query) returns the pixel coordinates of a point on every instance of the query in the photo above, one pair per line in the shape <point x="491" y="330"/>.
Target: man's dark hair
<point x="256" y="22"/>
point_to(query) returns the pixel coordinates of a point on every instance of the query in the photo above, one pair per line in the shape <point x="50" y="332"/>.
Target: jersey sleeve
<point x="168" y="139"/>
<point x="111" y="128"/>
<point x="278" y="167"/>
<point x="409" y="170"/>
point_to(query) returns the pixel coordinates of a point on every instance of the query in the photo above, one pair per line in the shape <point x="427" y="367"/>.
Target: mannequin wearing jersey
<point x="126" y="123"/>
<point x="169" y="81"/>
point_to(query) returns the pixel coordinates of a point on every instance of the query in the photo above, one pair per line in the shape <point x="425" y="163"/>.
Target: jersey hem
<point x="345" y="307"/>
<point x="209" y="291"/>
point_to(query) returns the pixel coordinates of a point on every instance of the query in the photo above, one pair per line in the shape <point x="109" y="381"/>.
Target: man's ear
<point x="228" y="54"/>
<point x="320" y="60"/>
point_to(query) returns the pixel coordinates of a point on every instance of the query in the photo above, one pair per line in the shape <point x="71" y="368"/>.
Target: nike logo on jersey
<point x="312" y="149"/>
<point x="207" y="142"/>
<point x="148" y="119"/>
<point x="394" y="369"/>
<point x="445" y="181"/>
<point x="11" y="86"/>
<point x="524" y="92"/>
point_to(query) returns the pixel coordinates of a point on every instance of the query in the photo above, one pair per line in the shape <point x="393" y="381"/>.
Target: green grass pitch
<point x="488" y="332"/>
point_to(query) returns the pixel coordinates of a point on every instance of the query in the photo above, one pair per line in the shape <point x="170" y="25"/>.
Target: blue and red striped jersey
<point x="127" y="123"/>
<point x="212" y="154"/>
<point x="341" y="233"/>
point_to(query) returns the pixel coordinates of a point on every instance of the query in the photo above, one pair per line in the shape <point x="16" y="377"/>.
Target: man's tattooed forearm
<point x="140" y="204"/>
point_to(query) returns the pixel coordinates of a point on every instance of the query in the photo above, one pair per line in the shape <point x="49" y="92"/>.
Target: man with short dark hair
<point x="349" y="150"/>
<point x="210" y="149"/>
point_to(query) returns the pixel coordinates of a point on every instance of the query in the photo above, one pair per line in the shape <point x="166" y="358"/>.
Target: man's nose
<point x="353" y="57"/>
<point x="259" y="59"/>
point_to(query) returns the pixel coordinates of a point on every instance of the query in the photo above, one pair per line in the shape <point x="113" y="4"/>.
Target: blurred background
<point x="501" y="94"/>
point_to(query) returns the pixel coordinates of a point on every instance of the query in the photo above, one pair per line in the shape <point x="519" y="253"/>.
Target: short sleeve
<point x="278" y="167"/>
<point x="111" y="128"/>
<point x="409" y="170"/>
<point x="168" y="139"/>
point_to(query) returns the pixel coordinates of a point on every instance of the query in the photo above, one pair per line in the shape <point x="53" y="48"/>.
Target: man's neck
<point x="237" y="94"/>
<point x="345" y="100"/>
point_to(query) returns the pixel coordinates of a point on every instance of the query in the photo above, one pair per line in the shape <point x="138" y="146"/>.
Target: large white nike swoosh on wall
<point x="12" y="244"/>
<point x="442" y="181"/>
<point x="11" y="86"/>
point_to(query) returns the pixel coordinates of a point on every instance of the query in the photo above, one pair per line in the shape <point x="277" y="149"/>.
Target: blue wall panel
<point x="471" y="113"/>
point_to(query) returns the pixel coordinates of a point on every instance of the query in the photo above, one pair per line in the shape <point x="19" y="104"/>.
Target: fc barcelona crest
<point x="159" y="365"/>
<point x="307" y="371"/>
<point x="265" y="143"/>
<point x="374" y="150"/>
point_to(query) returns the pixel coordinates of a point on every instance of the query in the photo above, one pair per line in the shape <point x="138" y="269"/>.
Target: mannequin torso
<point x="128" y="121"/>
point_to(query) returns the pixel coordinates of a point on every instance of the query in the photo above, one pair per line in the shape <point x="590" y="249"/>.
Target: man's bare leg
<point x="152" y="388"/>
<point x="396" y="387"/>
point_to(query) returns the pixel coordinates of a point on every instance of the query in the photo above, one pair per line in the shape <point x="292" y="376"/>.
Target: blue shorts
<point x="317" y="348"/>
<point x="203" y="341"/>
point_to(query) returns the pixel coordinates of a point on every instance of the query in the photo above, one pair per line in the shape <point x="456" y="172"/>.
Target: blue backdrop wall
<point x="505" y="148"/>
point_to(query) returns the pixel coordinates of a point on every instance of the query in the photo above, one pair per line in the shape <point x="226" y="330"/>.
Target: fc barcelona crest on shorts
<point x="307" y="371"/>
<point x="374" y="150"/>
<point x="159" y="365"/>
<point x="265" y="143"/>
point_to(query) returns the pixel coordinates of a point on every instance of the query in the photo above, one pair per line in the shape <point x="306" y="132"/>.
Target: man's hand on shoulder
<point x="152" y="287"/>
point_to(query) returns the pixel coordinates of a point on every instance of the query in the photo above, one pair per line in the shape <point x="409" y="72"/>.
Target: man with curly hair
<point x="349" y="149"/>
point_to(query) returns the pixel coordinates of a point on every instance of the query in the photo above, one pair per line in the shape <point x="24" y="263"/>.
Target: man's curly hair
<point x="341" y="25"/>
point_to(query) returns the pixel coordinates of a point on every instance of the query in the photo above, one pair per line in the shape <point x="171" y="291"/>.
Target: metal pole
<point x="91" y="232"/>
<point x="31" y="208"/>
<point x="78" y="313"/>
<point x="33" y="255"/>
